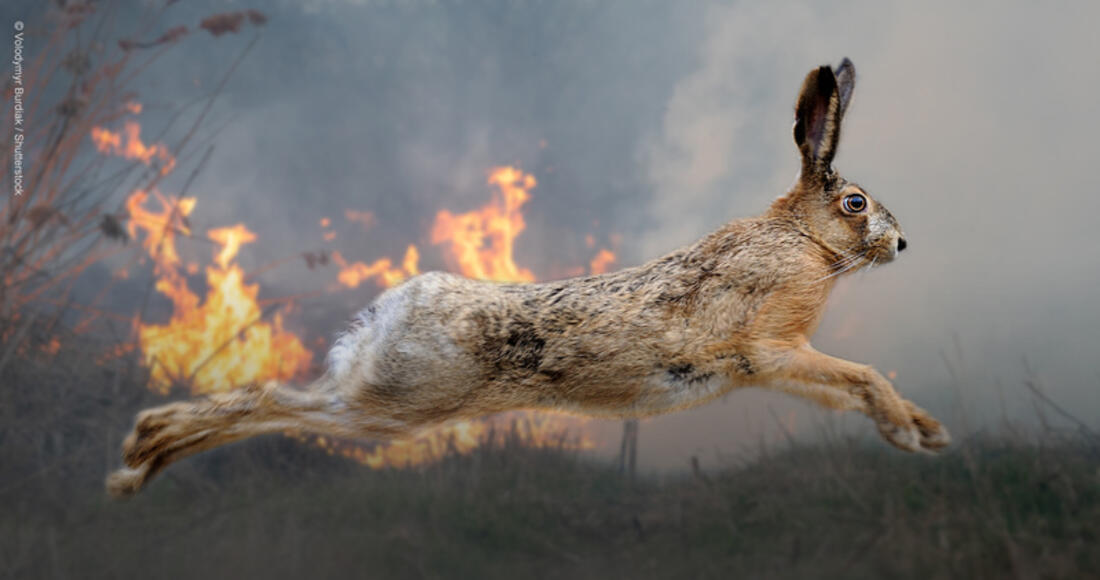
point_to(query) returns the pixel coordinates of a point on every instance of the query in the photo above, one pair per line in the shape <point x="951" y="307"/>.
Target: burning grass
<point x="80" y="100"/>
<point x="217" y="333"/>
<point x="223" y="340"/>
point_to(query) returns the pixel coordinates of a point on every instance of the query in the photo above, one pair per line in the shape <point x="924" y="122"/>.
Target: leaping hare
<point x="736" y="309"/>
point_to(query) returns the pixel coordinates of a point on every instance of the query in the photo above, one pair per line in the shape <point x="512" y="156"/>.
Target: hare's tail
<point x="165" y="434"/>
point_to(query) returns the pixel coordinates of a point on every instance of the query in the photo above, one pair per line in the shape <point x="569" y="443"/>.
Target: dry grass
<point x="994" y="506"/>
<point x="83" y="75"/>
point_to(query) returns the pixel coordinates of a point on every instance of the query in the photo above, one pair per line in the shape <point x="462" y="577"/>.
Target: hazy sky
<point x="977" y="124"/>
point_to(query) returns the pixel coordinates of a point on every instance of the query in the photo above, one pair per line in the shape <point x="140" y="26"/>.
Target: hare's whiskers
<point x="845" y="264"/>
<point x="871" y="265"/>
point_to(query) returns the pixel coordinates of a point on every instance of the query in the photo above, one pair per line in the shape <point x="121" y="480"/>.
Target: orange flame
<point x="52" y="346"/>
<point x="481" y="240"/>
<point x="231" y="239"/>
<point x="382" y="270"/>
<point x="211" y="343"/>
<point x="481" y="244"/>
<point x="603" y="260"/>
<point x="161" y="227"/>
<point x="132" y="147"/>
<point x="539" y="430"/>
<point x="364" y="218"/>
<point x="218" y="342"/>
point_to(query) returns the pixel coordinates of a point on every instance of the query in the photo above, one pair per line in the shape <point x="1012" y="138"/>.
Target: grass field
<point x="1008" y="505"/>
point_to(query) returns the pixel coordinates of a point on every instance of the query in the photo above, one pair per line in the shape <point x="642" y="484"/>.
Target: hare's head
<point x="838" y="213"/>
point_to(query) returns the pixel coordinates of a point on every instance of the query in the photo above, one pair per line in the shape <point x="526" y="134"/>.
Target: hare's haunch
<point x="736" y="309"/>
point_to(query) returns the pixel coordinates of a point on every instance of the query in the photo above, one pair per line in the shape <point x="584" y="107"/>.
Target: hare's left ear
<point x="821" y="104"/>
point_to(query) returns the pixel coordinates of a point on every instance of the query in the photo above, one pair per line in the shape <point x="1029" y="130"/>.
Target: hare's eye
<point x="854" y="203"/>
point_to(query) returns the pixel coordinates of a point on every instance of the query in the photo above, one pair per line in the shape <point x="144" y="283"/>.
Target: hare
<point x="735" y="309"/>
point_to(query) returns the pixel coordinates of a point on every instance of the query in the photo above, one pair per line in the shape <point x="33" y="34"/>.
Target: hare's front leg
<point x="843" y="384"/>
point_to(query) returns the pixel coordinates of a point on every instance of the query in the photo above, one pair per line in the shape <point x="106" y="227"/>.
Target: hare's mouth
<point x="865" y="258"/>
<point x="881" y="254"/>
<point x="890" y="248"/>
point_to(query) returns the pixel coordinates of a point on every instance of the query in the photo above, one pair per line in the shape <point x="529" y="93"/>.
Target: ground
<point x="1004" y="503"/>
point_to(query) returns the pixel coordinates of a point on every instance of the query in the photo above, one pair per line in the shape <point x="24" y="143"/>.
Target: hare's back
<point x="425" y="331"/>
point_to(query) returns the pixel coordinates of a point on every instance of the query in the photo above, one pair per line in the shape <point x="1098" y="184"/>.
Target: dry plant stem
<point x="41" y="258"/>
<point x="17" y="339"/>
<point x="1033" y="384"/>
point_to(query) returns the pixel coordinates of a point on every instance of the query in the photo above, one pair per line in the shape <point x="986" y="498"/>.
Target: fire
<point x="231" y="240"/>
<point x="219" y="341"/>
<point x="603" y="260"/>
<point x="481" y="244"/>
<point x="52" y="347"/>
<point x="382" y="270"/>
<point x="327" y="235"/>
<point x="481" y="240"/>
<point x="539" y="430"/>
<point x="129" y="145"/>
<point x="363" y="218"/>
<point x="161" y="227"/>
<point x="209" y="343"/>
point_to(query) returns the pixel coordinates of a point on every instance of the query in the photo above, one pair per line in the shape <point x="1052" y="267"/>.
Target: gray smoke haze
<point x="974" y="123"/>
<point x="977" y="124"/>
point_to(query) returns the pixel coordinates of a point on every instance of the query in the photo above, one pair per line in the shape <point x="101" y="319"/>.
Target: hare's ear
<point x="845" y="83"/>
<point x="821" y="105"/>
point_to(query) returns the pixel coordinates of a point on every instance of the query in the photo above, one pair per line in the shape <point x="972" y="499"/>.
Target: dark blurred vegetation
<point x="1014" y="504"/>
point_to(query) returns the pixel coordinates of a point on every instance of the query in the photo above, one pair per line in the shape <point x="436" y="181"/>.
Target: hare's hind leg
<point x="168" y="433"/>
<point x="843" y="384"/>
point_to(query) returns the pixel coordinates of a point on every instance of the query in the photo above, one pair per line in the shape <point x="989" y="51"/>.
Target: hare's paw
<point x="915" y="430"/>
<point x="903" y="435"/>
<point x="933" y="435"/>
<point x="127" y="481"/>
<point x="153" y="428"/>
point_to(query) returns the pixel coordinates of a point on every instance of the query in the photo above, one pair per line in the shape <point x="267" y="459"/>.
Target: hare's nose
<point x="902" y="244"/>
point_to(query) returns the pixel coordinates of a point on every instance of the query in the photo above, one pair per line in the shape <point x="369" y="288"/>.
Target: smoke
<point x="976" y="124"/>
<point x="724" y="143"/>
<point x="973" y="124"/>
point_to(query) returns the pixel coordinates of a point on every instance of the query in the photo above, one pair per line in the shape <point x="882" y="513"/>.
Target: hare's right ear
<point x="821" y="104"/>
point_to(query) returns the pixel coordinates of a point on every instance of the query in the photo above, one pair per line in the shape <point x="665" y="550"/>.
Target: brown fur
<point x="735" y="309"/>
